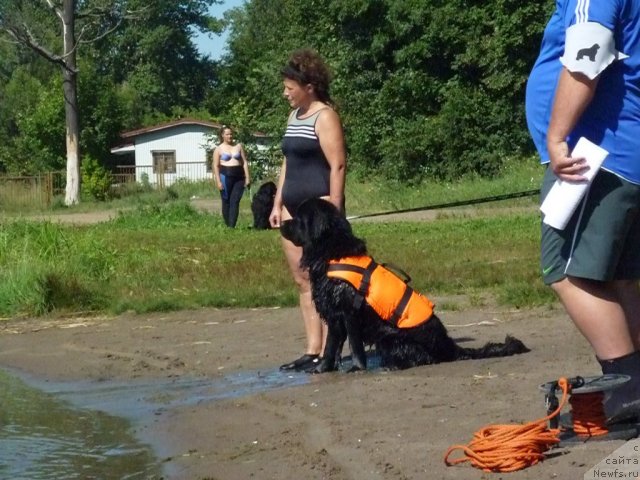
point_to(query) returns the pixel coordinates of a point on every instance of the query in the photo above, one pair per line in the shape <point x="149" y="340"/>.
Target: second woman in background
<point x="231" y="174"/>
<point x="314" y="167"/>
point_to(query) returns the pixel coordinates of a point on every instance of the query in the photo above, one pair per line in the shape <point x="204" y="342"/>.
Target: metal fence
<point x="35" y="191"/>
<point x="41" y="191"/>
<point x="161" y="175"/>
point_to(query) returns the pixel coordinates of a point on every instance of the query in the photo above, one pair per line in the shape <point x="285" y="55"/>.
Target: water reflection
<point x="140" y="400"/>
<point x="41" y="437"/>
<point x="81" y="430"/>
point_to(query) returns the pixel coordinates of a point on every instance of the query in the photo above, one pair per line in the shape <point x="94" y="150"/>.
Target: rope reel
<point x="586" y="420"/>
<point x="507" y="448"/>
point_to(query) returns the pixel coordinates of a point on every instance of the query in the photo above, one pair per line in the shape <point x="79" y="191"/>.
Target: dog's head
<point x="261" y="205"/>
<point x="322" y="231"/>
<point x="267" y="189"/>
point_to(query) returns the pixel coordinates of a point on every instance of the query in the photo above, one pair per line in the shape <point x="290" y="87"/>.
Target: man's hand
<point x="565" y="167"/>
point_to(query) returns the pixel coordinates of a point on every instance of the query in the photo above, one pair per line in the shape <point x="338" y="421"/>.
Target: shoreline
<point x="368" y="425"/>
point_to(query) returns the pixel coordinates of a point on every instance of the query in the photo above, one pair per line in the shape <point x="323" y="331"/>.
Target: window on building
<point x="164" y="161"/>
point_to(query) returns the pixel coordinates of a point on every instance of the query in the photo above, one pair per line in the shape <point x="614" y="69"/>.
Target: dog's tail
<point x="511" y="346"/>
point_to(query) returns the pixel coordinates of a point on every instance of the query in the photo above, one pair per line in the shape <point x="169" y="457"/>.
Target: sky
<point x="214" y="45"/>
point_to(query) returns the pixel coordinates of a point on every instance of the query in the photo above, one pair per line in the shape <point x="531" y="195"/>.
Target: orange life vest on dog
<point x="389" y="295"/>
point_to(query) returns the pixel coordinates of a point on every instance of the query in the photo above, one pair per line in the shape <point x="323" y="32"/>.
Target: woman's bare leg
<point x="315" y="328"/>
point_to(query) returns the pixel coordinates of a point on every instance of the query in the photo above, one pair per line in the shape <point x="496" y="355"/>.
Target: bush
<point x="96" y="180"/>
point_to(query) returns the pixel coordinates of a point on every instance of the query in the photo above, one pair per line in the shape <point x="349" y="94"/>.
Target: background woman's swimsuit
<point x="233" y="180"/>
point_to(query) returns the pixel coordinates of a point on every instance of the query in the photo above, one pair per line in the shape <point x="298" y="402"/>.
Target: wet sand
<point x="369" y="425"/>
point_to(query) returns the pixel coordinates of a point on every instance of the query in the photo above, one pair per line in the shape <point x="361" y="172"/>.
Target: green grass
<point x="371" y="195"/>
<point x="162" y="254"/>
<point x="375" y="195"/>
<point x="19" y="200"/>
<point x="172" y="257"/>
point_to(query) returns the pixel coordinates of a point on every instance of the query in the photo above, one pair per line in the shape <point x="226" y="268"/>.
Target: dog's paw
<point x="325" y="366"/>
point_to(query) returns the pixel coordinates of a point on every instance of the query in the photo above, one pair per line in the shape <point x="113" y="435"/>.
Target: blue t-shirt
<point x="612" y="119"/>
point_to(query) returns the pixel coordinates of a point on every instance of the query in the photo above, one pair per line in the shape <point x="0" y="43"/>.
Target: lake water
<point x="83" y="430"/>
<point x="43" y="437"/>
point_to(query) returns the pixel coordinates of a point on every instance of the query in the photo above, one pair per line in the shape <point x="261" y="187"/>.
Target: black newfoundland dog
<point x="261" y="205"/>
<point x="346" y="304"/>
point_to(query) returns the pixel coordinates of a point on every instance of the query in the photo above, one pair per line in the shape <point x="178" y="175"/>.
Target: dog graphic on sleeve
<point x="592" y="60"/>
<point x="590" y="52"/>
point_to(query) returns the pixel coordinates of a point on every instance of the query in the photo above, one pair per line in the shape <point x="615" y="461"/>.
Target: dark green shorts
<point x="602" y="239"/>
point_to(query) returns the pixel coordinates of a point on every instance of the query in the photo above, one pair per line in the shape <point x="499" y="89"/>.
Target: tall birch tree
<point x="30" y="23"/>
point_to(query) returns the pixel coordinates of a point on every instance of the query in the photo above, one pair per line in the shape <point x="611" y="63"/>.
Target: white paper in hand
<point x="564" y="197"/>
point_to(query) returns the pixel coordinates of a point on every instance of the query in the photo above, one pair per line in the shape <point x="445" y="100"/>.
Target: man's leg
<point x="600" y="312"/>
<point x="596" y="311"/>
<point x="628" y="291"/>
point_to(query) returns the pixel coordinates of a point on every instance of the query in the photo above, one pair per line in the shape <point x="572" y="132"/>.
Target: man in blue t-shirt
<point x="586" y="83"/>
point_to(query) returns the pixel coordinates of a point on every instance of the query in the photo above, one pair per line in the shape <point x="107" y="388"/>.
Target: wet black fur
<point x="261" y="205"/>
<point x="324" y="234"/>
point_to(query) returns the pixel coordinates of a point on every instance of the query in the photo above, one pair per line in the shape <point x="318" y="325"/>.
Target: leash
<point x="507" y="448"/>
<point x="495" y="198"/>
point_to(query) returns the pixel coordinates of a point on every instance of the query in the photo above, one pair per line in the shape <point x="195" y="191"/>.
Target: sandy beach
<point x="369" y="425"/>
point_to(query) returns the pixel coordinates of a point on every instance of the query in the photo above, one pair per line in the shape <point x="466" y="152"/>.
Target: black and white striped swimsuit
<point x="307" y="169"/>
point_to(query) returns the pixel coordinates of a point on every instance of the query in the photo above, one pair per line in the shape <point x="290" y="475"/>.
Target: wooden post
<point x="160" y="175"/>
<point x="48" y="188"/>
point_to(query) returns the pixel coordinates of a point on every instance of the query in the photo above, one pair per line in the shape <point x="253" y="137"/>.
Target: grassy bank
<point x="367" y="195"/>
<point x="173" y="257"/>
<point x="165" y="255"/>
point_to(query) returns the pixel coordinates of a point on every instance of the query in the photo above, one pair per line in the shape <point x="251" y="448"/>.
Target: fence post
<point x="48" y="185"/>
<point x="160" y="175"/>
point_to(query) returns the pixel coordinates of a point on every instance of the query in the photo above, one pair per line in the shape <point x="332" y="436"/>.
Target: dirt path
<point x="98" y="216"/>
<point x="338" y="426"/>
<point x="212" y="205"/>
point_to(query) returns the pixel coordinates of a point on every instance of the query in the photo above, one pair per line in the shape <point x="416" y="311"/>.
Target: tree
<point x="154" y="62"/>
<point x="39" y="144"/>
<point x="27" y="23"/>
<point x="262" y="35"/>
<point x="442" y="82"/>
<point x="144" y="71"/>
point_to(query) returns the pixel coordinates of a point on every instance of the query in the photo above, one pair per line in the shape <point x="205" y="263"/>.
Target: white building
<point x="167" y="152"/>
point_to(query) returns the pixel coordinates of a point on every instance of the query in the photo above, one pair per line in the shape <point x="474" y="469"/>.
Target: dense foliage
<point x="425" y="87"/>
<point x="145" y="70"/>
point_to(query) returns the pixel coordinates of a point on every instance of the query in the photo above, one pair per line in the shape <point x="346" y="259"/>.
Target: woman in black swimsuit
<point x="314" y="166"/>
<point x="231" y="174"/>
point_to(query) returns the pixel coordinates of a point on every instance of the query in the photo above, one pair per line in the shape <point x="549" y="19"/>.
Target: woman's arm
<point x="216" y="168"/>
<point x="331" y="137"/>
<point x="245" y="166"/>
<point x="276" y="212"/>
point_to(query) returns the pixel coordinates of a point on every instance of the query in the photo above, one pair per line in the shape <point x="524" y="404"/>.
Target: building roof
<point x="122" y="149"/>
<point x="176" y="123"/>
<point x="171" y="124"/>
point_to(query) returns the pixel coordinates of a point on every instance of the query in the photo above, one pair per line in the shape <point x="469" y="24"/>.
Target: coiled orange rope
<point x="588" y="414"/>
<point x="507" y="448"/>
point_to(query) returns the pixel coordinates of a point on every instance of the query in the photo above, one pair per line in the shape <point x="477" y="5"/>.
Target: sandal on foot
<point x="299" y="363"/>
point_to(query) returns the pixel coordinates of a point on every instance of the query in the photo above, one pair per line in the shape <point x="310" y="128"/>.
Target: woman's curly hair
<point x="305" y="66"/>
